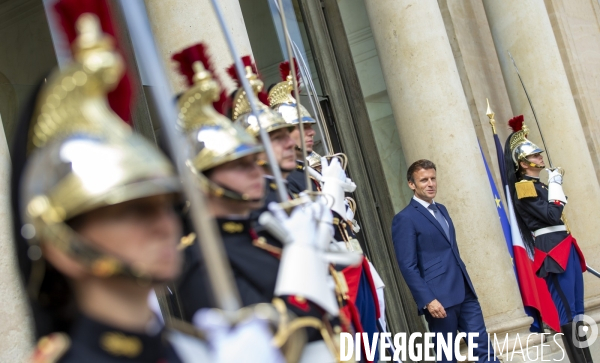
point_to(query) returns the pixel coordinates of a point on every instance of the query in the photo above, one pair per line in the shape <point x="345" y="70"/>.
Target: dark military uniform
<point x="93" y="341"/>
<point x="539" y="211"/>
<point x="558" y="258"/>
<point x="254" y="260"/>
<point x="255" y="284"/>
<point x="297" y="181"/>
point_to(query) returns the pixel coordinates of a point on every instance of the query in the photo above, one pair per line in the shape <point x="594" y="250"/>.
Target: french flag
<point x="534" y="292"/>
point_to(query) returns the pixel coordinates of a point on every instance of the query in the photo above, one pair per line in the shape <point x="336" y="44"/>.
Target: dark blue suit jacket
<point x="429" y="261"/>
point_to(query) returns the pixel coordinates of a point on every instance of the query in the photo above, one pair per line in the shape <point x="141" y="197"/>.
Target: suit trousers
<point x="465" y="317"/>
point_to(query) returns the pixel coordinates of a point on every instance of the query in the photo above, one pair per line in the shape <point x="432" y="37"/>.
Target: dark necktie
<point x="440" y="218"/>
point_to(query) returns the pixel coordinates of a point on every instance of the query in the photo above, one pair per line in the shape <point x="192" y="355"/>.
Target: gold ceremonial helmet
<point x="196" y="104"/>
<point x="82" y="156"/>
<point x="214" y="139"/>
<point x="282" y="101"/>
<point x="520" y="146"/>
<point x="241" y="112"/>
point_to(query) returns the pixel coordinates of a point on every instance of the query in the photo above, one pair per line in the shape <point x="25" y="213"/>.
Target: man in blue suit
<point x="427" y="253"/>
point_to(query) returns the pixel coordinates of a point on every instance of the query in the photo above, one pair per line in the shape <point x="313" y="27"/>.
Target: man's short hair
<point x="418" y="165"/>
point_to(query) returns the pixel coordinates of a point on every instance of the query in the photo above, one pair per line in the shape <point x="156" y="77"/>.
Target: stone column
<point x="523" y="28"/>
<point x="178" y="24"/>
<point x="576" y="27"/>
<point x="434" y="123"/>
<point x="15" y="323"/>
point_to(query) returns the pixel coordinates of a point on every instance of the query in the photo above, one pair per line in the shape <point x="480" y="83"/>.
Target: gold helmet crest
<point x="241" y="111"/>
<point x="282" y="101"/>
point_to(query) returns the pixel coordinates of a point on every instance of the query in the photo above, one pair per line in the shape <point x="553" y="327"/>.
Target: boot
<point x="575" y="354"/>
<point x="566" y="339"/>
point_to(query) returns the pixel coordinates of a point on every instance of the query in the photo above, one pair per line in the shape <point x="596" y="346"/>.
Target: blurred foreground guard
<point x="539" y="211"/>
<point x="97" y="229"/>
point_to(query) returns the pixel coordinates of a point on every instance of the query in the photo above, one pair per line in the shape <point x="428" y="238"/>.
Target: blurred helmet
<point x="214" y="140"/>
<point x="282" y="101"/>
<point x="82" y="156"/>
<point x="242" y="112"/>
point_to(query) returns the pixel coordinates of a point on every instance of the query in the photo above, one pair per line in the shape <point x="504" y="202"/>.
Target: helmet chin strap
<point x="534" y="165"/>
<point x="223" y="191"/>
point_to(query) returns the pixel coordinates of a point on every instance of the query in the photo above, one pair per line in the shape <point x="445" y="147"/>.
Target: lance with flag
<point x="534" y="292"/>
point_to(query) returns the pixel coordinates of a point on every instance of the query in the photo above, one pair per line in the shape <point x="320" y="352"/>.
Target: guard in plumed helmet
<point x="539" y="211"/>
<point x="281" y="100"/>
<point x="278" y="129"/>
<point x="227" y="162"/>
<point x="94" y="213"/>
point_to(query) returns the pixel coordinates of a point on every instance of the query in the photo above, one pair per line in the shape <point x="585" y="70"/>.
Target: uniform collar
<point x="120" y="345"/>
<point x="531" y="178"/>
<point x="271" y="182"/>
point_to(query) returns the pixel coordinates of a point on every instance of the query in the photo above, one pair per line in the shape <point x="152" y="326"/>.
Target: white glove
<point x="304" y="267"/>
<point x="336" y="184"/>
<point x="555" y="189"/>
<point x="555" y="176"/>
<point x="247" y="341"/>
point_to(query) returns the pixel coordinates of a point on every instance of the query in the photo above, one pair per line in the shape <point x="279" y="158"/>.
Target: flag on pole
<point x="534" y="291"/>
<point x="500" y="209"/>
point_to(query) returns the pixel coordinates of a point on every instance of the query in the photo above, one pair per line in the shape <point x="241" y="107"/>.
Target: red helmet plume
<point x="247" y="62"/>
<point x="516" y="123"/>
<point x="285" y="71"/>
<point x="185" y="60"/>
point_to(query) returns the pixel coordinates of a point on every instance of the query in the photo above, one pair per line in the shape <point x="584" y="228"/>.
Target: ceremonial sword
<point x="281" y="189"/>
<point x="290" y="53"/>
<point x="312" y="93"/>
<point x="211" y="247"/>
<point x="533" y="110"/>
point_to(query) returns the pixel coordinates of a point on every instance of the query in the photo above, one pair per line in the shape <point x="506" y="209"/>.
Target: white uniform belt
<point x="550" y="229"/>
